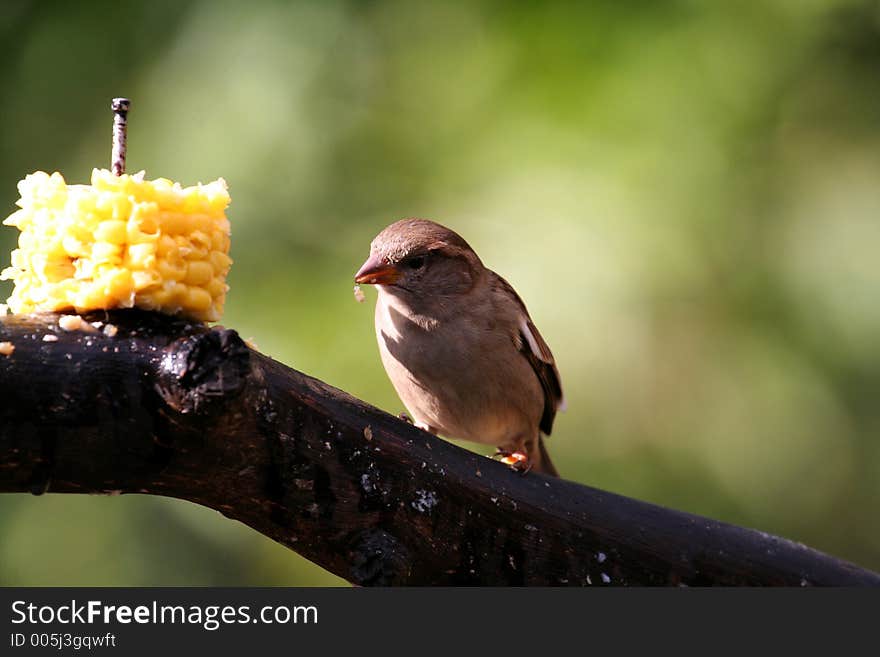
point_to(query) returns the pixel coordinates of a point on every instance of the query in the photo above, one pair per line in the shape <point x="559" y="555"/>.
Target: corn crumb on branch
<point x="168" y="407"/>
<point x="121" y="242"/>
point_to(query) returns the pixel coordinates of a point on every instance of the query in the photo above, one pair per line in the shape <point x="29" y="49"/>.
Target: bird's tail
<point x="543" y="464"/>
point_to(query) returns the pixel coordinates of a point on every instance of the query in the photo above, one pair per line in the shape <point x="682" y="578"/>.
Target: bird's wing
<point x="533" y="347"/>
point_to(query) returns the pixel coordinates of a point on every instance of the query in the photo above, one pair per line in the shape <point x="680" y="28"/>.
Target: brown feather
<point x="541" y="360"/>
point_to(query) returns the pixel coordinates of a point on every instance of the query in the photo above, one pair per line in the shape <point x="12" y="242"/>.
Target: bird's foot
<point x="517" y="461"/>
<point x="418" y="425"/>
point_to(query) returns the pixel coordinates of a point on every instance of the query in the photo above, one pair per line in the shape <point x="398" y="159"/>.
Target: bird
<point x="459" y="346"/>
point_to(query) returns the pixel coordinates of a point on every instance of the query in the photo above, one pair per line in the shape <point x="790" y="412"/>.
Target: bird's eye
<point x="416" y="263"/>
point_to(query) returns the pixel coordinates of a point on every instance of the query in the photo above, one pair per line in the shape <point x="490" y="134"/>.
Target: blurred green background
<point x="686" y="194"/>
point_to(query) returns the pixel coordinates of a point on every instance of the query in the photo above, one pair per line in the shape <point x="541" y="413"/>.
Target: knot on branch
<point x="199" y="372"/>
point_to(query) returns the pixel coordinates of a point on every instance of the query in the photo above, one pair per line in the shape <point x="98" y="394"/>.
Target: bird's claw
<point x="516" y="461"/>
<point x="406" y="418"/>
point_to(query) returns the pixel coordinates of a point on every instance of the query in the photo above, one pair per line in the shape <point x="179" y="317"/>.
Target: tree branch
<point x="165" y="407"/>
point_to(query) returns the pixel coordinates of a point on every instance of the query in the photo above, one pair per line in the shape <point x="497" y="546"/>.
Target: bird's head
<point x="420" y="258"/>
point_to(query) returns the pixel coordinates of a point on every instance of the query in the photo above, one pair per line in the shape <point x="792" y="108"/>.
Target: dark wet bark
<point x="166" y="407"/>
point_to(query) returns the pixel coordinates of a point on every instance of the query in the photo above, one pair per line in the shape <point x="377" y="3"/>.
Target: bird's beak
<point x="377" y="271"/>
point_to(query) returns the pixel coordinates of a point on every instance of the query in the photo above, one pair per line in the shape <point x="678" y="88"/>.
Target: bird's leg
<point x="515" y="459"/>
<point x="427" y="427"/>
<point x="419" y="425"/>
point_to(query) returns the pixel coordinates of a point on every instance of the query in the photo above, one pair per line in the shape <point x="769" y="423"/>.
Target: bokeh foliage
<point x="685" y="193"/>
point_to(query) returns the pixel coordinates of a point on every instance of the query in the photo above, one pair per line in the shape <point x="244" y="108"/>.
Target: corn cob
<point x="120" y="242"/>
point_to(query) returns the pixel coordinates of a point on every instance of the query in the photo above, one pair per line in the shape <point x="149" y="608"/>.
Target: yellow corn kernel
<point x="121" y="208"/>
<point x="113" y="231"/>
<point x="144" y="279"/>
<point x="71" y="246"/>
<point x="118" y="285"/>
<point x="166" y="245"/>
<point x="220" y="261"/>
<point x="87" y="298"/>
<point x="197" y="298"/>
<point x="155" y="298"/>
<point x="148" y="222"/>
<point x="105" y="252"/>
<point x="176" y="223"/>
<point x="58" y="270"/>
<point x="178" y="294"/>
<point x="216" y="288"/>
<point x="142" y="256"/>
<point x="199" y="273"/>
<point x="173" y="271"/>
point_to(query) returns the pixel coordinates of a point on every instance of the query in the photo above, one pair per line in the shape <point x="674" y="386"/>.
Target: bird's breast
<point x="462" y="377"/>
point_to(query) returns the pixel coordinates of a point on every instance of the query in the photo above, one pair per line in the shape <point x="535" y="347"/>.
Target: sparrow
<point x="459" y="345"/>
